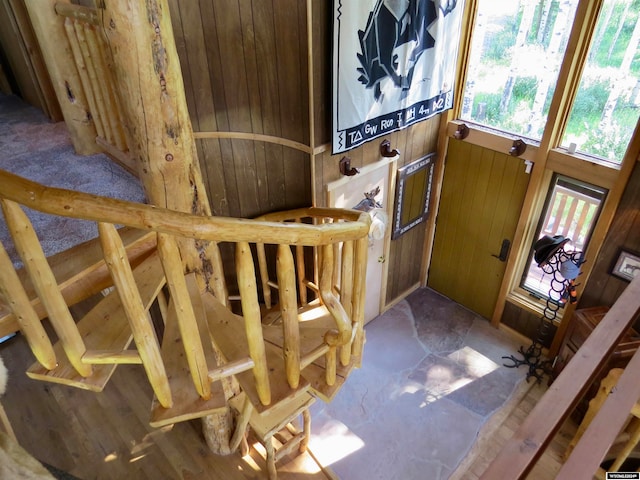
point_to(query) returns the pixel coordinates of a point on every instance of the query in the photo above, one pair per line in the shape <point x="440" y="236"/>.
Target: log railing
<point x="528" y="443"/>
<point x="324" y="229"/>
<point x="341" y="276"/>
<point x="81" y="67"/>
<point x="89" y="55"/>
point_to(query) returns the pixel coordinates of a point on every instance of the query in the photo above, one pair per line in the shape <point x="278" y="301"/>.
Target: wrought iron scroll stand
<point x="561" y="290"/>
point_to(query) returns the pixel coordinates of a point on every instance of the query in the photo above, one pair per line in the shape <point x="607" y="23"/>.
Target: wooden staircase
<point x="288" y="336"/>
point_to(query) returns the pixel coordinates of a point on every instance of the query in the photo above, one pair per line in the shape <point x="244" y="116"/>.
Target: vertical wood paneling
<point x="261" y="190"/>
<point x="223" y="167"/>
<point x="245" y="68"/>
<point x="604" y="289"/>
<point x="188" y="20"/>
<point x="322" y="61"/>
<point x="525" y="322"/>
<point x="292" y="75"/>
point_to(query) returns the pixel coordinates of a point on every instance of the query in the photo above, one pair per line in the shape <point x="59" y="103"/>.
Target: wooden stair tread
<point x="187" y="403"/>
<point x="80" y="273"/>
<point x="274" y="420"/>
<point x="315" y="375"/>
<point x="228" y="332"/>
<point x="105" y="327"/>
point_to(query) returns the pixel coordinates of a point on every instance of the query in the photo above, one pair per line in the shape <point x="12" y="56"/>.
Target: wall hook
<point x="345" y="167"/>
<point x="385" y="149"/>
<point x="461" y="132"/>
<point x="518" y="148"/>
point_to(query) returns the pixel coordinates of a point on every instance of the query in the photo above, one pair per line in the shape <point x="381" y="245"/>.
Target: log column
<point x="58" y="57"/>
<point x="149" y="81"/>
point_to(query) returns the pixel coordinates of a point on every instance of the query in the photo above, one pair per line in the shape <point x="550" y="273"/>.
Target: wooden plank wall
<point x="245" y="68"/>
<point x="244" y="65"/>
<point x="603" y="288"/>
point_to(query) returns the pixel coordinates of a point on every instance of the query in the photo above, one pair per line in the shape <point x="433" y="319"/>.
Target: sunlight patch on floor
<point x="333" y="442"/>
<point x="476" y="363"/>
<point x="442" y="380"/>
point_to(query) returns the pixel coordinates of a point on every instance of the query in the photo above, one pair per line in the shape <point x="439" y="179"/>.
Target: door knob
<point x="504" y="250"/>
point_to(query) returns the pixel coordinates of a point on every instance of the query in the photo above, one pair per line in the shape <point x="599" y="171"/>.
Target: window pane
<point x="515" y="57"/>
<point x="571" y="210"/>
<point x="605" y="110"/>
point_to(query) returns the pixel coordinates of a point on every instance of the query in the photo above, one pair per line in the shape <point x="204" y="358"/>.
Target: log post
<point x="58" y="57"/>
<point x="140" y="39"/>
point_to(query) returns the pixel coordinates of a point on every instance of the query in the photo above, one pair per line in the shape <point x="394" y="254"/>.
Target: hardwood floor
<point x="107" y="435"/>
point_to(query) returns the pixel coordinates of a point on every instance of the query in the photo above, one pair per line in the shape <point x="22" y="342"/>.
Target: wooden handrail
<point x="73" y="204"/>
<point x="589" y="452"/>
<point x="303" y="228"/>
<point x="517" y="458"/>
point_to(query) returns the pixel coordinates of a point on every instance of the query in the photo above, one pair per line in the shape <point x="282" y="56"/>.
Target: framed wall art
<point x="627" y="265"/>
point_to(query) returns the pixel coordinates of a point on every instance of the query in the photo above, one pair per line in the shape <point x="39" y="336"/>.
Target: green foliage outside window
<point x="516" y="54"/>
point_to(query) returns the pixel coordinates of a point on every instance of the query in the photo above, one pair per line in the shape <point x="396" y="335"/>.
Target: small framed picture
<point x="627" y="265"/>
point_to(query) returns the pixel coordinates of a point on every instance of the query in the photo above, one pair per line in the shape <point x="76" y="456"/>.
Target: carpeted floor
<point x="34" y="148"/>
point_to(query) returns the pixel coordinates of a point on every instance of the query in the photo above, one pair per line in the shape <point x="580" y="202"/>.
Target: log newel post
<point x="139" y="37"/>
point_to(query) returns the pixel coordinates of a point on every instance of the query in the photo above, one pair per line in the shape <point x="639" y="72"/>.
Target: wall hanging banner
<point x="394" y="65"/>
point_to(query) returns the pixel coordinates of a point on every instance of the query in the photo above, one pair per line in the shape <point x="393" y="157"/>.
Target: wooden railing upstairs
<point x="196" y="319"/>
<point x="528" y="443"/>
<point x="81" y="66"/>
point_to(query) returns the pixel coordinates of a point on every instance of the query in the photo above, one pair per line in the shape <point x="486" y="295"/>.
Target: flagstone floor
<point x="432" y="376"/>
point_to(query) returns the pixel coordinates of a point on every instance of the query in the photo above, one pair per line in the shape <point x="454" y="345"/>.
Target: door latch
<point x="504" y="250"/>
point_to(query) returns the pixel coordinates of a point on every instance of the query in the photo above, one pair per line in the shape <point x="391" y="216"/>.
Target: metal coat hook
<point x="346" y="169"/>
<point x="518" y="148"/>
<point x="385" y="149"/>
<point x="461" y="132"/>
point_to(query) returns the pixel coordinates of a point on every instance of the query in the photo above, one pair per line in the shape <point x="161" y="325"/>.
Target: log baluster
<point x="114" y="102"/>
<point x="172" y="265"/>
<point x="289" y="310"/>
<point x="359" y="287"/>
<point x="253" y="323"/>
<point x="70" y="27"/>
<point x="330" y="366"/>
<point x="45" y="284"/>
<point x="264" y="274"/>
<point x="217" y="281"/>
<point x="346" y="295"/>
<point x="302" y="275"/>
<point x="13" y="292"/>
<point x="142" y="329"/>
<point x="106" y="86"/>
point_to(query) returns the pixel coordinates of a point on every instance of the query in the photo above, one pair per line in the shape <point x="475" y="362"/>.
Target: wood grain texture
<point x="84" y="434"/>
<point x="56" y="51"/>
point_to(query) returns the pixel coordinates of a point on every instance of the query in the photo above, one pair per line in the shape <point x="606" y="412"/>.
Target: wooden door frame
<point x="391" y="164"/>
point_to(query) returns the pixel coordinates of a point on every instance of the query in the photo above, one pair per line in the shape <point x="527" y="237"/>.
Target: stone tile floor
<point x="432" y="376"/>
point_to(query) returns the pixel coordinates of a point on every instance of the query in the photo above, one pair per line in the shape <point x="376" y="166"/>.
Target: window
<point x="605" y="110"/>
<point x="571" y="210"/>
<point x="516" y="52"/>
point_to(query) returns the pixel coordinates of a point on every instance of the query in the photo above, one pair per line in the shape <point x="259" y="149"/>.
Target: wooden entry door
<point x="482" y="195"/>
